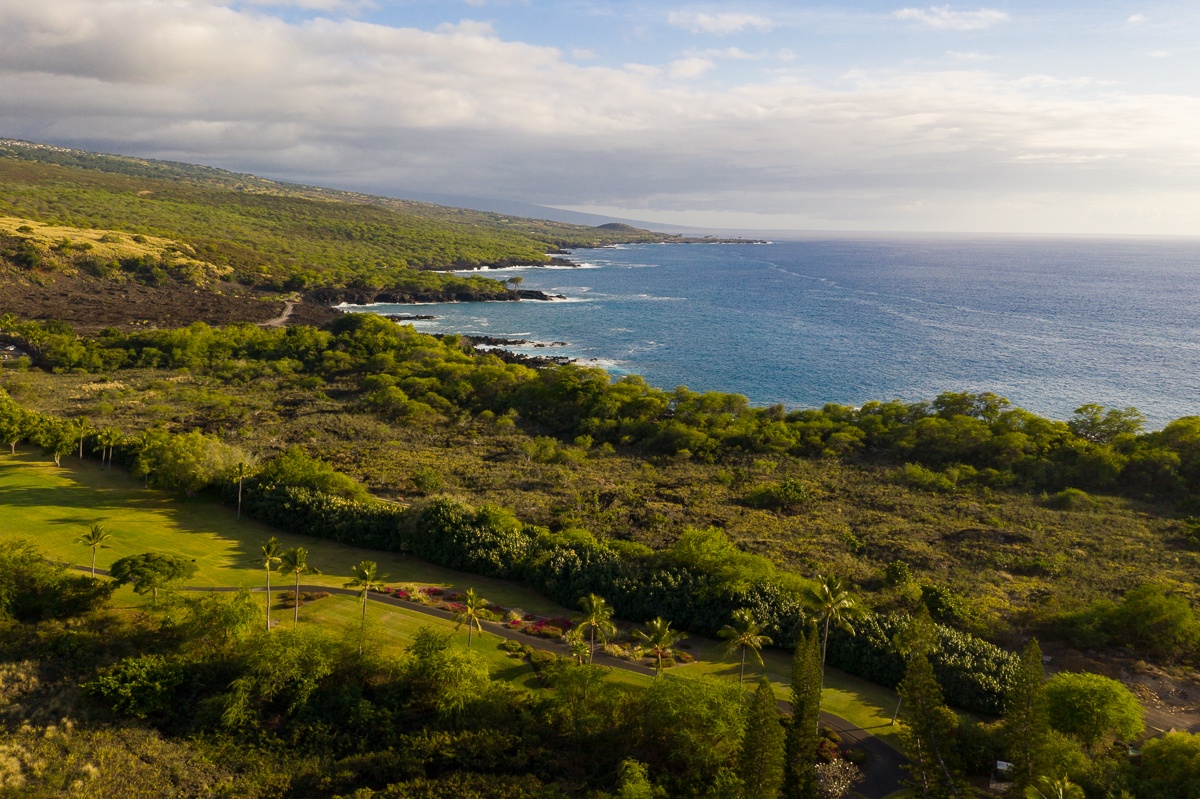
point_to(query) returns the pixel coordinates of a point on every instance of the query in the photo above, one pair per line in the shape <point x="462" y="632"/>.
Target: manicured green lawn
<point x="51" y="506"/>
<point x="865" y="704"/>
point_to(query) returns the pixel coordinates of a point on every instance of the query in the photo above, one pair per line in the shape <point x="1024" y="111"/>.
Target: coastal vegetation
<point x="925" y="547"/>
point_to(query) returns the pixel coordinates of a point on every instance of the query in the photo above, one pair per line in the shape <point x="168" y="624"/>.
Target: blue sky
<point x="995" y="117"/>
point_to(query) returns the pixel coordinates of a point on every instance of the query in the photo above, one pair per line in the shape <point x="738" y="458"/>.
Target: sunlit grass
<point x="51" y="506"/>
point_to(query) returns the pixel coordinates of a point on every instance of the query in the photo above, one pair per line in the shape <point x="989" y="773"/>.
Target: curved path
<point x="288" y="307"/>
<point x="883" y="770"/>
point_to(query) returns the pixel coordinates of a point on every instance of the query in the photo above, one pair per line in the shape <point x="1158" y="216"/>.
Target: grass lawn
<point x="51" y="506"/>
<point x="865" y="704"/>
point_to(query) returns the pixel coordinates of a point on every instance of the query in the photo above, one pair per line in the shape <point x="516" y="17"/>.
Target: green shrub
<point x="1071" y="499"/>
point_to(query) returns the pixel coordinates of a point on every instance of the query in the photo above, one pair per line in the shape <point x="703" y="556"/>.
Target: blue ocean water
<point x="1050" y="324"/>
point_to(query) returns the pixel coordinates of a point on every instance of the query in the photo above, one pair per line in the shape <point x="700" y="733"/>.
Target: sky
<point x="1049" y="117"/>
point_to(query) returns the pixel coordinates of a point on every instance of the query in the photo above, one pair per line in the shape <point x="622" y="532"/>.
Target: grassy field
<point x="51" y="506"/>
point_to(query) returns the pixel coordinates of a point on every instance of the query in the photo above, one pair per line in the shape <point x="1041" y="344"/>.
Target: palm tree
<point x="469" y="615"/>
<point x="95" y="538"/>
<point x="366" y="577"/>
<point x="833" y="605"/>
<point x="661" y="640"/>
<point x="240" y="473"/>
<point x="82" y="427"/>
<point x="597" y="618"/>
<point x="109" y="437"/>
<point x="744" y="634"/>
<point x="269" y="559"/>
<point x="295" y="561"/>
<point x="1047" y="788"/>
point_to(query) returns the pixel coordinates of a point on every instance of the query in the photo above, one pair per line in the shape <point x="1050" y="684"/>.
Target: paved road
<point x="882" y="771"/>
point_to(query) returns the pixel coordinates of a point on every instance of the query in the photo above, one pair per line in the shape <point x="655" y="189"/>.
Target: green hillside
<point x="274" y="235"/>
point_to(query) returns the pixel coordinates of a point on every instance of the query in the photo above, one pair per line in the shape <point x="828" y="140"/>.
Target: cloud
<point x="459" y="110"/>
<point x="942" y="18"/>
<point x="1136" y="19"/>
<point x="1160" y="53"/>
<point x="718" y="23"/>
<point x="316" y="5"/>
<point x="689" y="67"/>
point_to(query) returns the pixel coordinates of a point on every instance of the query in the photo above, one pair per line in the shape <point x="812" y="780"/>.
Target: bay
<point x="1050" y="324"/>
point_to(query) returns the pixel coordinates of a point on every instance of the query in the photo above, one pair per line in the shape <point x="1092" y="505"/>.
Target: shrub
<point x="1093" y="708"/>
<point x="1071" y="499"/>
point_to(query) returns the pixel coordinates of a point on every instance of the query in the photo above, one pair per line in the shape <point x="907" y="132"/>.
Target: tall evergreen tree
<point x="801" y="781"/>
<point x="928" y="734"/>
<point x="762" y="758"/>
<point x="1027" y="719"/>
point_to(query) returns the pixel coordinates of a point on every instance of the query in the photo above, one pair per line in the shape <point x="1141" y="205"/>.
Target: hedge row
<point x="639" y="585"/>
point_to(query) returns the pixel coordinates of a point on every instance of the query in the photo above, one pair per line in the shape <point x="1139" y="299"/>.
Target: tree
<point x="515" y="281"/>
<point x="744" y="634"/>
<point x="1027" y="719"/>
<point x="634" y="783"/>
<point x="1170" y="767"/>
<point x="596" y="617"/>
<point x="270" y="558"/>
<point x="918" y="636"/>
<point x="80" y="428"/>
<point x="14" y="422"/>
<point x="1095" y="709"/>
<point x="367" y="577"/>
<point x="761" y="763"/>
<point x="55" y="436"/>
<point x="802" y="736"/>
<point x="95" y="537"/>
<point x="661" y="640"/>
<point x="295" y="562"/>
<point x="1099" y="425"/>
<point x="150" y="571"/>
<point x="188" y="462"/>
<point x="928" y="733"/>
<point x="833" y="604"/>
<point x="1047" y="788"/>
<point x="469" y="615"/>
<point x="240" y="472"/>
<point x="109" y="437"/>
<point x="837" y="778"/>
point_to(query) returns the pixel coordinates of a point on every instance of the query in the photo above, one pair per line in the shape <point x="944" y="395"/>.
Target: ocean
<point x="1049" y="324"/>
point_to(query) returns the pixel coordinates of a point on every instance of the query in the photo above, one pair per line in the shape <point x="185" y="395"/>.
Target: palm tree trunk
<point x="93" y="561"/>
<point x="592" y="650"/>
<point x="824" y="651"/>
<point x="239" y="511"/>
<point x="362" y="628"/>
<point x="742" y="672"/>
<point x="896" y="715"/>
<point x="268" y="598"/>
<point x="296" y="617"/>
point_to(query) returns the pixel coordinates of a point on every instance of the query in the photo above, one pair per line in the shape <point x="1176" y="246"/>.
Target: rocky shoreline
<point x="333" y="297"/>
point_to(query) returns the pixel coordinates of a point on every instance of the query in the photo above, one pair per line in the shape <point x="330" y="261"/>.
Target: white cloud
<point x="1160" y="53"/>
<point x="943" y="18"/>
<point x="1136" y="19"/>
<point x="689" y="67"/>
<point x="459" y="110"/>
<point x="718" y="23"/>
<point x="316" y="5"/>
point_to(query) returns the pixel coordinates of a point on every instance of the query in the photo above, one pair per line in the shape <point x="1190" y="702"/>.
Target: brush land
<point x="957" y="529"/>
